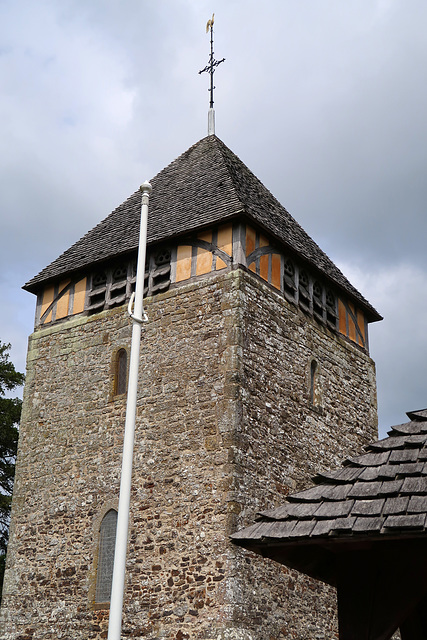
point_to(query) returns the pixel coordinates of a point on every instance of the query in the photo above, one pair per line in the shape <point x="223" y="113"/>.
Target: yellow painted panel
<point x="351" y="325"/>
<point x="63" y="301"/>
<point x="79" y="296"/>
<point x="342" y="317"/>
<point x="263" y="267"/>
<point x="220" y="264"/>
<point x="225" y="239"/>
<point x="204" y="261"/>
<point x="47" y="300"/>
<point x="263" y="241"/>
<point x="183" y="263"/>
<point x="275" y="270"/>
<point x="250" y="241"/>
<point x="361" y="325"/>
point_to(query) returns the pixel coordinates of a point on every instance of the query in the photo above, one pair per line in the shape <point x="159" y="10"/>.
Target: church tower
<point x="255" y="374"/>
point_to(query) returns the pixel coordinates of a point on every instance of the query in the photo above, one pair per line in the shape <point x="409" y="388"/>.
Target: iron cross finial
<point x="212" y="64"/>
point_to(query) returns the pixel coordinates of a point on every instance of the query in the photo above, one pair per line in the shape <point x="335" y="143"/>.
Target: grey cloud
<point x="323" y="101"/>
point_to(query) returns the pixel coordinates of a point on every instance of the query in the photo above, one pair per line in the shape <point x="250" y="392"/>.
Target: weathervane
<point x="210" y="68"/>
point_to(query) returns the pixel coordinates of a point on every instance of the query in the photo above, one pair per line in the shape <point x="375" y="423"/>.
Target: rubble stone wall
<point x="289" y="431"/>
<point x="224" y="428"/>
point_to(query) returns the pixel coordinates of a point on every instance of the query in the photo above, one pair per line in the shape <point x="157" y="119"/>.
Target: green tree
<point x="10" y="412"/>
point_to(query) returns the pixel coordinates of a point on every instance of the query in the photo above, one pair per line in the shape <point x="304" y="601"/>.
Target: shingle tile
<point x="303" y="528"/>
<point x="343" y="476"/>
<point x="323" y="527"/>
<point x="387" y="444"/>
<point x="314" y="494"/>
<point x="396" y="506"/>
<point x="390" y="487"/>
<point x="370" y="473"/>
<point x="343" y="524"/>
<point x="403" y="455"/>
<point x="371" y="459"/>
<point x="251" y="532"/>
<point x="303" y="510"/>
<point x="365" y="490"/>
<point x="278" y="529"/>
<point x="388" y="471"/>
<point x="415" y="415"/>
<point x="367" y="507"/>
<point x="277" y="513"/>
<point x="417" y="504"/>
<point x="365" y="524"/>
<point x="412" y="521"/>
<point x="330" y="510"/>
<point x="415" y="485"/>
<point x="410" y="469"/>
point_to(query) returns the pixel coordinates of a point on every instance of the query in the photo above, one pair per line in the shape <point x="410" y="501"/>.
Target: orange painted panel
<point x="351" y="325"/>
<point x="79" y="296"/>
<point x="183" y="263"/>
<point x="275" y="270"/>
<point x="225" y="239"/>
<point x="342" y="317"/>
<point x="250" y="241"/>
<point x="220" y="264"/>
<point x="252" y="267"/>
<point x="361" y="325"/>
<point x="263" y="267"/>
<point x="263" y="241"/>
<point x="47" y="300"/>
<point x="204" y="261"/>
<point x="63" y="301"/>
<point x="206" y="236"/>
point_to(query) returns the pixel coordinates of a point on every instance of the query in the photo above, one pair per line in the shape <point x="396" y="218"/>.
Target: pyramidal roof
<point x="207" y="184"/>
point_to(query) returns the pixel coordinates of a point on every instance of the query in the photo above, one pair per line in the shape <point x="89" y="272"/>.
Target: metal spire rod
<point x="138" y="316"/>
<point x="210" y="68"/>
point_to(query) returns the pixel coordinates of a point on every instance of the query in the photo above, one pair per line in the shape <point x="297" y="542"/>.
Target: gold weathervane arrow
<point x="210" y="23"/>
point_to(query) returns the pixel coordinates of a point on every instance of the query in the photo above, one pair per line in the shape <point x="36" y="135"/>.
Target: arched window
<point x="107" y="543"/>
<point x="313" y="375"/>
<point x="120" y="374"/>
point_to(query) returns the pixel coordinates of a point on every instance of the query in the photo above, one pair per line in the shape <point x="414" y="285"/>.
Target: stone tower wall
<point x="283" y="439"/>
<point x="224" y="428"/>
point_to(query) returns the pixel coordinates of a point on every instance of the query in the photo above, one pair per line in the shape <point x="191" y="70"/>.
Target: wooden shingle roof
<point x="361" y="529"/>
<point x="380" y="494"/>
<point x="207" y="184"/>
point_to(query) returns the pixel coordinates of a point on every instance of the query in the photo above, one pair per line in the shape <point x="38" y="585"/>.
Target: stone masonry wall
<point x="223" y="429"/>
<point x="283" y="439"/>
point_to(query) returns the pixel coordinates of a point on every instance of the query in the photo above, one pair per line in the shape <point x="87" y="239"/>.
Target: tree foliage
<point x="10" y="412"/>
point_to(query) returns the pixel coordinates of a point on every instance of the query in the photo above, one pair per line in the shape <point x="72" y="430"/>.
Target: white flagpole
<point x="138" y="317"/>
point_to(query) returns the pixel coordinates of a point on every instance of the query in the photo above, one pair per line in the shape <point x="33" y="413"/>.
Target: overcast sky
<point x="324" y="100"/>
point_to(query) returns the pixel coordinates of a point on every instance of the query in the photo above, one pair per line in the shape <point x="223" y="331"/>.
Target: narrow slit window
<point x="107" y="543"/>
<point x="121" y="372"/>
<point x="313" y="372"/>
